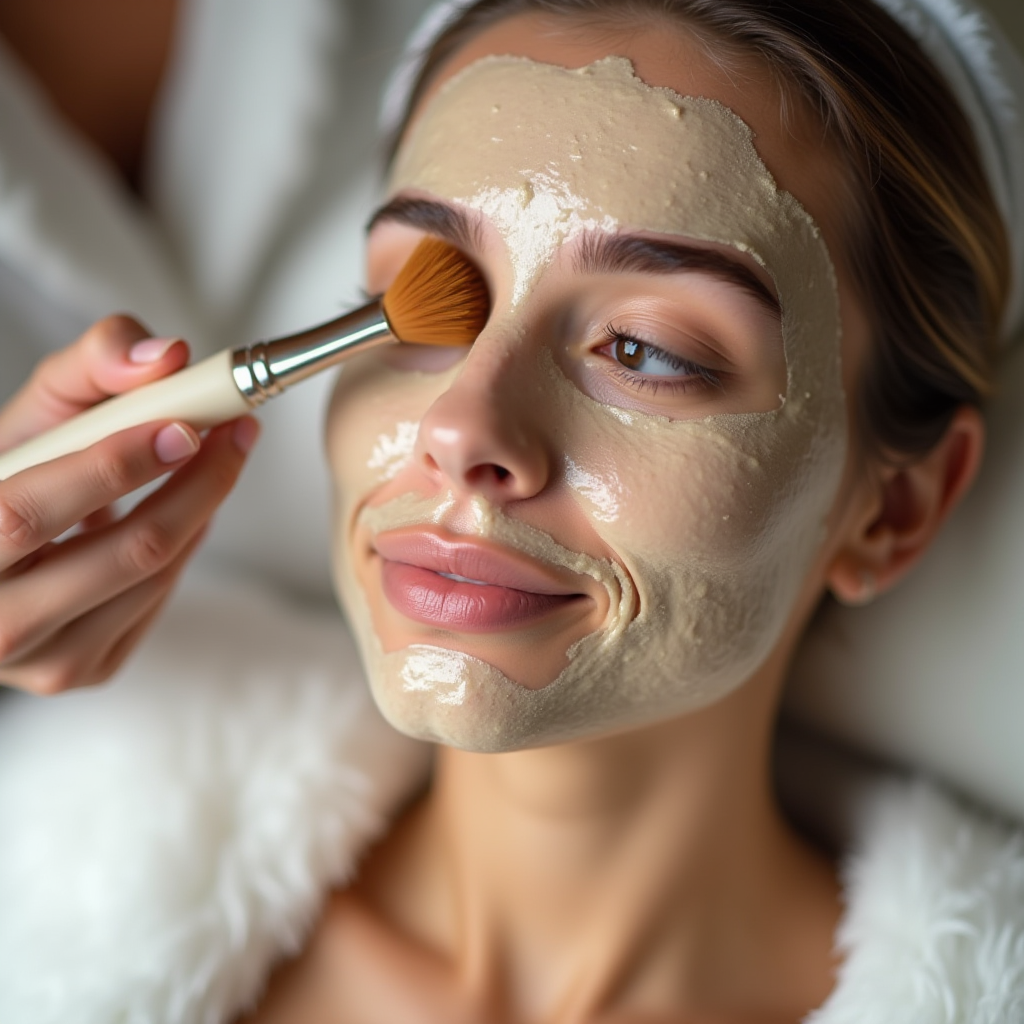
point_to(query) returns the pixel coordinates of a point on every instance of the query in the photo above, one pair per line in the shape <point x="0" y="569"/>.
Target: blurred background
<point x="1010" y="14"/>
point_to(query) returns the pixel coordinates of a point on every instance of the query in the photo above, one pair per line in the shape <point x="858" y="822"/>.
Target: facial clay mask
<point x="713" y="523"/>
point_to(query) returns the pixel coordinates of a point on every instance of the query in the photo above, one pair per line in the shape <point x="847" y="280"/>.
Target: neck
<point x="549" y="870"/>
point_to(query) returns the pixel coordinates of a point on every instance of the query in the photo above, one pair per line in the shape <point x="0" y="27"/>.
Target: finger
<point x="132" y="613"/>
<point x="70" y="658"/>
<point x="114" y="355"/>
<point x="99" y="519"/>
<point x="43" y="502"/>
<point x="90" y="649"/>
<point x="21" y="567"/>
<point x="92" y="569"/>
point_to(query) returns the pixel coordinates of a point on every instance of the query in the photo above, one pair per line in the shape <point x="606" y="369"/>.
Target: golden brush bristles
<point x="438" y="298"/>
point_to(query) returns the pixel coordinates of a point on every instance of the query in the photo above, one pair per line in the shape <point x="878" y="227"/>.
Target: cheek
<point x="717" y="522"/>
<point x="372" y="426"/>
<point x="662" y="492"/>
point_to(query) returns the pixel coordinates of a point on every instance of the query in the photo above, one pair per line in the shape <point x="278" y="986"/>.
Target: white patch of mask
<point x="714" y="522"/>
<point x="393" y="450"/>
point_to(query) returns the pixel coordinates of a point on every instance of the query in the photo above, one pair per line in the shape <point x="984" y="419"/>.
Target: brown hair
<point x="927" y="245"/>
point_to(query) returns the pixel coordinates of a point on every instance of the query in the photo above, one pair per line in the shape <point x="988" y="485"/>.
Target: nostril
<point x="487" y="473"/>
<point x="466" y="443"/>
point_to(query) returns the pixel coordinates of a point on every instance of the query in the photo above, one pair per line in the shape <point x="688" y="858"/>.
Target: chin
<point x="449" y="697"/>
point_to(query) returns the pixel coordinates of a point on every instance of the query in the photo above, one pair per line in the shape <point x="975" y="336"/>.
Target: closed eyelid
<point x="617" y="254"/>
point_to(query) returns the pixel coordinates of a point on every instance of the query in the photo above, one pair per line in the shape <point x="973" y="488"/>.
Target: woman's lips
<point x="467" y="585"/>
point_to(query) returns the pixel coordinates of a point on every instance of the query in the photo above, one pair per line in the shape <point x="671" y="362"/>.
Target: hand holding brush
<point x="70" y="612"/>
<point x="438" y="298"/>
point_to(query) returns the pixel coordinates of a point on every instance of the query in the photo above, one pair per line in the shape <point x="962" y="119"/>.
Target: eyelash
<point x="704" y="376"/>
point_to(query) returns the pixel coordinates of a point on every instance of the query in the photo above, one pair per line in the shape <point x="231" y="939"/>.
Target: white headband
<point x="980" y="65"/>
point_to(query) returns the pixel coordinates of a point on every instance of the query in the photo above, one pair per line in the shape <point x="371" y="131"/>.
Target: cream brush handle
<point x="220" y="388"/>
<point x="202" y="395"/>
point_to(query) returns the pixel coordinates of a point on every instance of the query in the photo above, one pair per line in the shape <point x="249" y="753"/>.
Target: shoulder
<point x="934" y="925"/>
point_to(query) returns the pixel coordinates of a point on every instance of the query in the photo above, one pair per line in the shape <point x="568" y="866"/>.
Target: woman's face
<point x="616" y="505"/>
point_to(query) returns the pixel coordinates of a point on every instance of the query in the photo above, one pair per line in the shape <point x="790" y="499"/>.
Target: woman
<point x="734" y="362"/>
<point x="600" y="587"/>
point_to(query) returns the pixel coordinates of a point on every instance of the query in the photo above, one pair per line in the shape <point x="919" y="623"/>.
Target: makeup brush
<point x="438" y="298"/>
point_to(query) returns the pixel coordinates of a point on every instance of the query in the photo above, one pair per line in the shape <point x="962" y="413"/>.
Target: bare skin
<point x="646" y="876"/>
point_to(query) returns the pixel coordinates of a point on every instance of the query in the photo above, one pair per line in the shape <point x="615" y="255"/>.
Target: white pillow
<point x="932" y="674"/>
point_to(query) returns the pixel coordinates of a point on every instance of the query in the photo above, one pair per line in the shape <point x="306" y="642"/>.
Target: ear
<point x="907" y="507"/>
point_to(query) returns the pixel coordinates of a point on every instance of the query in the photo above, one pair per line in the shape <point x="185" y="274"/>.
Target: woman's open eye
<point x="647" y="366"/>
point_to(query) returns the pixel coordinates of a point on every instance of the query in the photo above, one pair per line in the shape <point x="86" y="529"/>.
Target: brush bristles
<point x="438" y="298"/>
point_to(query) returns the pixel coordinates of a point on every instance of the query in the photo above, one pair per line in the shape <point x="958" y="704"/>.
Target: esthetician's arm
<point x="70" y="612"/>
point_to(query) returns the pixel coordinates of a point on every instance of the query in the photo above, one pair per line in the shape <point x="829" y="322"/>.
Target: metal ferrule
<point x="266" y="368"/>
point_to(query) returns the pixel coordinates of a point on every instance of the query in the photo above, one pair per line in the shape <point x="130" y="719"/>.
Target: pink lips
<point x="508" y="589"/>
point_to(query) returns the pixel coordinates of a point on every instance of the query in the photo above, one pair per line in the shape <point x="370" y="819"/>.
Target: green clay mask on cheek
<point x="714" y="522"/>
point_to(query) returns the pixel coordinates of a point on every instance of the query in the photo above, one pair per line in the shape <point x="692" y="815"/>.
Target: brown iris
<point x="629" y="352"/>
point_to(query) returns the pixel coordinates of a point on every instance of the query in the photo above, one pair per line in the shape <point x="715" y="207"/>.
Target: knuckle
<point x="149" y="548"/>
<point x="116" y="473"/>
<point x="119" y="323"/>
<point x="112" y="329"/>
<point x="21" y="522"/>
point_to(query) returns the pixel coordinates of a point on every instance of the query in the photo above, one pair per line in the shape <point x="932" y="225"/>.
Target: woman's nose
<point x="480" y="437"/>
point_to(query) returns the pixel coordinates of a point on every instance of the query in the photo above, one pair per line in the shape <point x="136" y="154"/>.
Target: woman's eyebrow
<point x="601" y="253"/>
<point x="447" y="222"/>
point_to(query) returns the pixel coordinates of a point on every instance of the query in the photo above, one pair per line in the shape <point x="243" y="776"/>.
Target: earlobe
<point x="855" y="590"/>
<point x="911" y="503"/>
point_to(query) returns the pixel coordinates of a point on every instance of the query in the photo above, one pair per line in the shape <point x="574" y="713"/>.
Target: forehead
<point x="789" y="136"/>
<point x="546" y="152"/>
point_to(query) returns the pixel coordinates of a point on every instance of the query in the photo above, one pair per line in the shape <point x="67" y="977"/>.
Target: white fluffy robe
<point x="934" y="927"/>
<point x="163" y="840"/>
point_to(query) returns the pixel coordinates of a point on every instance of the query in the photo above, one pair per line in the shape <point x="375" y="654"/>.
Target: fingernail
<point x="175" y="443"/>
<point x="150" y="350"/>
<point x="246" y="432"/>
